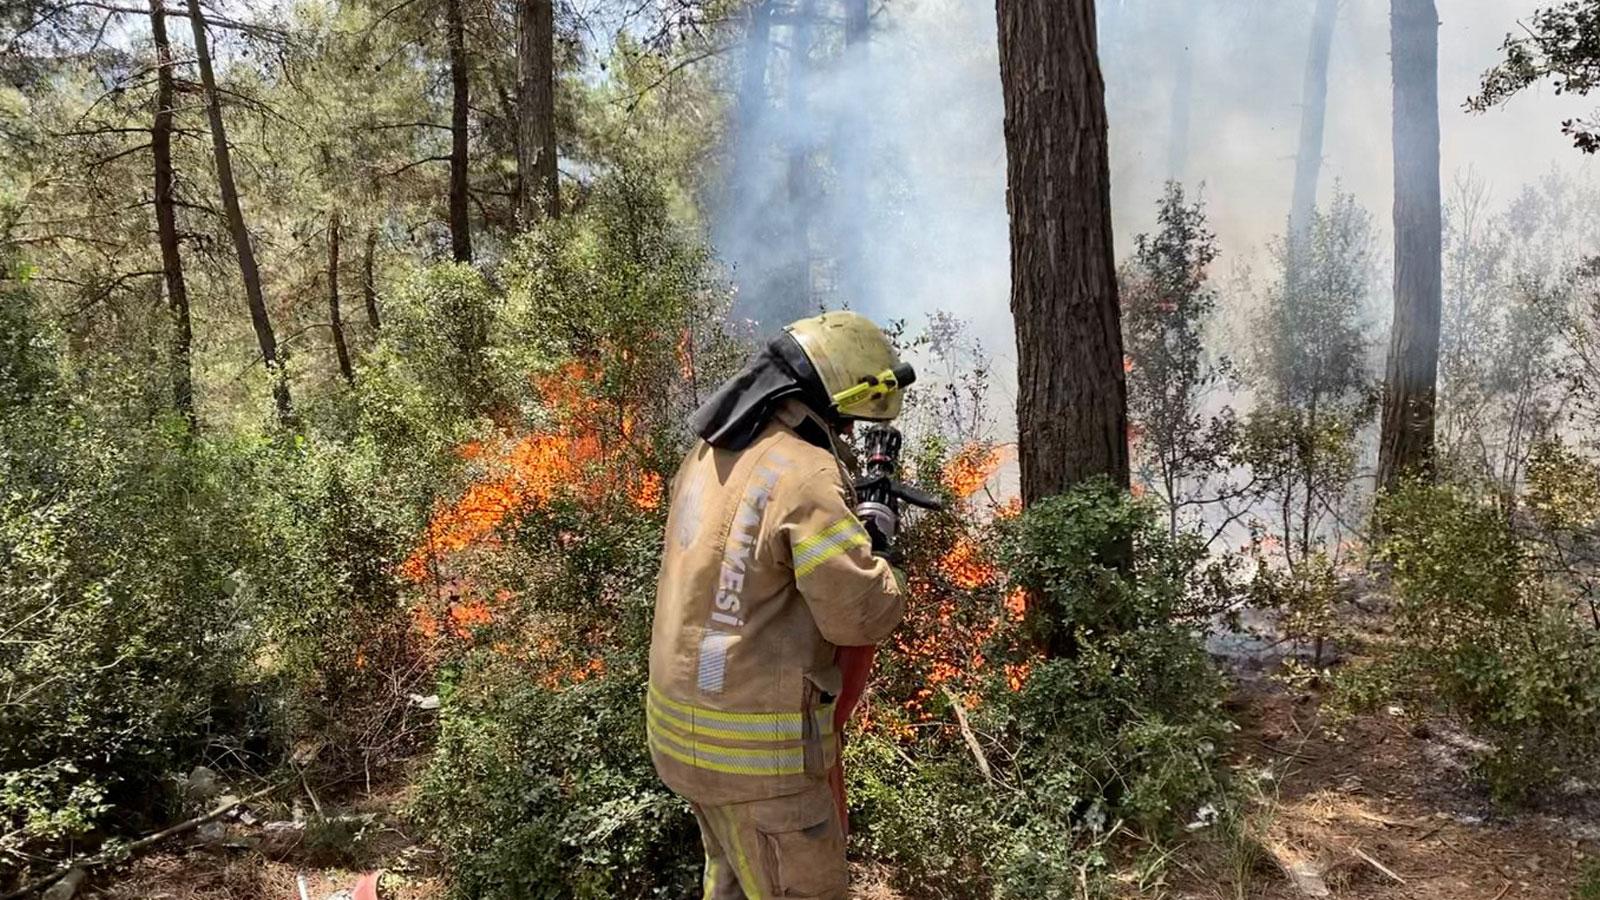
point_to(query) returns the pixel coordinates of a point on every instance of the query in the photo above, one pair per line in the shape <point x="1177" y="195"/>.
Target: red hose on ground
<point x="855" y="665"/>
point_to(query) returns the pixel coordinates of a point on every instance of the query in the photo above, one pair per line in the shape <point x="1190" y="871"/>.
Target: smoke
<point x="873" y="176"/>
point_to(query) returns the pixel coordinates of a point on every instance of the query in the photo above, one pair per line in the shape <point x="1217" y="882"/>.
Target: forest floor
<point x="1381" y="808"/>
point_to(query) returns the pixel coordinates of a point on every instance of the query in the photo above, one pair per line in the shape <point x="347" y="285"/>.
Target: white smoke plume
<point x="903" y="137"/>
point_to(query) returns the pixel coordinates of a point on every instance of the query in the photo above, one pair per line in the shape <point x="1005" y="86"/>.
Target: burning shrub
<point x="1021" y="783"/>
<point x="534" y="584"/>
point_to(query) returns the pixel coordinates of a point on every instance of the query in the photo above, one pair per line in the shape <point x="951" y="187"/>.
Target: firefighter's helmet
<point x="858" y="366"/>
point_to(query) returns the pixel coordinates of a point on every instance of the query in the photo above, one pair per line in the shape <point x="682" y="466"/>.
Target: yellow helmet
<point x="858" y="366"/>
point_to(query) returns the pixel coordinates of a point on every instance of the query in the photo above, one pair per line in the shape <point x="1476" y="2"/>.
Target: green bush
<point x="541" y="784"/>
<point x="1483" y="627"/>
<point x="122" y="641"/>
<point x="536" y="791"/>
<point x="1119" y="731"/>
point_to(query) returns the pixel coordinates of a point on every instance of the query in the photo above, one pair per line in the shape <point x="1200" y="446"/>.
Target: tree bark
<point x="1072" y="400"/>
<point x="335" y="318"/>
<point x="369" y="284"/>
<point x="1406" y="442"/>
<point x="752" y="100"/>
<point x="537" y="180"/>
<point x="248" y="270"/>
<point x="460" y="223"/>
<point x="857" y="22"/>
<point x="798" y="294"/>
<point x="851" y="156"/>
<point x="182" y="362"/>
<point x="1313" y="120"/>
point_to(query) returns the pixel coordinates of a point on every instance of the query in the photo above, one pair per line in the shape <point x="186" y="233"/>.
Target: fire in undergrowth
<point x="584" y="454"/>
<point x="972" y="466"/>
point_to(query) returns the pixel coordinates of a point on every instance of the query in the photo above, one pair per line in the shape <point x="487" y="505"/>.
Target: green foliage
<point x="542" y="792"/>
<point x="1588" y="887"/>
<point x="1559" y="43"/>
<point x="1122" y="732"/>
<point x="1483" y="628"/>
<point x="120" y="620"/>
<point x="1305" y="594"/>
<point x="1095" y="558"/>
<point x="1309" y="367"/>
<point x="541" y="784"/>
<point x="1167" y="304"/>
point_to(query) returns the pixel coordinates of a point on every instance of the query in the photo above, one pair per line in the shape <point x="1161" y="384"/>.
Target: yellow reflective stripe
<point x="747" y="877"/>
<point x="789" y="730"/>
<point x="710" y="879"/>
<point x="821" y="537"/>
<point x="666" y="730"/>
<point x="819" y="554"/>
<point x="716" y="759"/>
<point x="735" y="721"/>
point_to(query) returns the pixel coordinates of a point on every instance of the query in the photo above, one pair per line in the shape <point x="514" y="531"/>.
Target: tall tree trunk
<point x="537" y="179"/>
<point x="167" y="223"/>
<point x="335" y="317"/>
<point x="1406" y="442"/>
<point x="851" y="156"/>
<point x="460" y="223"/>
<point x="1313" y="120"/>
<point x="752" y="100"/>
<point x="1182" y="91"/>
<point x="1072" y="420"/>
<point x="857" y="22"/>
<point x="369" y="284"/>
<point x="799" y="297"/>
<point x="235" y="216"/>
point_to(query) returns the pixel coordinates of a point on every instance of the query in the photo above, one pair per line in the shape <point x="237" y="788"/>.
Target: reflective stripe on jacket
<point x="765" y="572"/>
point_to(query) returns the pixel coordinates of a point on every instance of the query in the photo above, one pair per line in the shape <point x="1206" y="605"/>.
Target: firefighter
<point x="767" y="571"/>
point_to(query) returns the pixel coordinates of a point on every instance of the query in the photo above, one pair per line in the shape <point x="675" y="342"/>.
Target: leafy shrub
<point x="542" y="784"/>
<point x="1120" y="731"/>
<point x="123" y="641"/>
<point x="1482" y="626"/>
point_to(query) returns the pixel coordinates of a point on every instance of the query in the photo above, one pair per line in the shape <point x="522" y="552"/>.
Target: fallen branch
<point x="133" y="849"/>
<point x="1364" y="857"/>
<point x="968" y="736"/>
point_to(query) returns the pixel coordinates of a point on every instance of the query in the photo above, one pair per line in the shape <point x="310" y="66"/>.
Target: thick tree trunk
<point x="369" y="284"/>
<point x="1072" y="400"/>
<point x="1313" y="120"/>
<point x="1406" y="443"/>
<point x="335" y="317"/>
<point x="460" y="223"/>
<point x="537" y="185"/>
<point x="235" y="216"/>
<point x="167" y="223"/>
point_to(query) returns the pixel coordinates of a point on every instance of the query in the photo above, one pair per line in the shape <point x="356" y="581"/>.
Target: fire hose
<point x="880" y="496"/>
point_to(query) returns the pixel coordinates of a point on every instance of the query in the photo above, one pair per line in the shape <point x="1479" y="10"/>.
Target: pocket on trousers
<point x="802" y="845"/>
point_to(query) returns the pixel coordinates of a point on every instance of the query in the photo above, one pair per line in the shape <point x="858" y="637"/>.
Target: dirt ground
<point x="1384" y="809"/>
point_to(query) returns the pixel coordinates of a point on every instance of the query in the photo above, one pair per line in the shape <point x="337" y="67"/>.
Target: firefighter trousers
<point x="790" y="847"/>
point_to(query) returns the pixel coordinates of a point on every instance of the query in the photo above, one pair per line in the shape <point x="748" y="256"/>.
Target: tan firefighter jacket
<point x="766" y="570"/>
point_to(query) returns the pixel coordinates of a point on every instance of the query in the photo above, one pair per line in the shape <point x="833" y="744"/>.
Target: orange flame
<point x="966" y="566"/>
<point x="971" y="468"/>
<point x="535" y="469"/>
